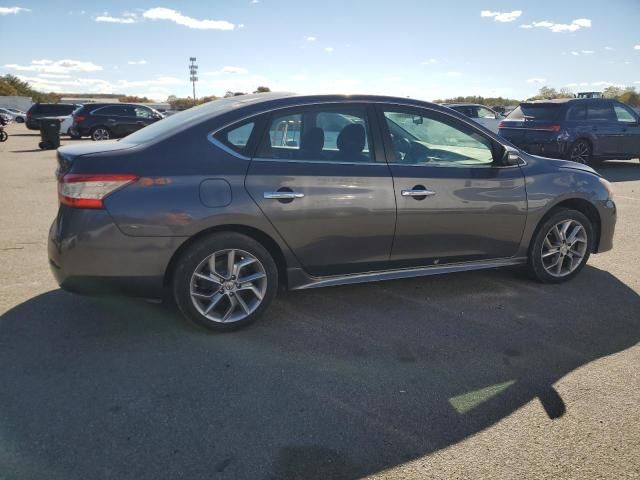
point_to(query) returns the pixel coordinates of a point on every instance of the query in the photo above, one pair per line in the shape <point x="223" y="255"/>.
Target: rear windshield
<point x="55" y="109"/>
<point x="536" y="111"/>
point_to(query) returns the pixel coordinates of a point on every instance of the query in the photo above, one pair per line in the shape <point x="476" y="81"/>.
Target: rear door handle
<point x="283" y="195"/>
<point x="418" y="192"/>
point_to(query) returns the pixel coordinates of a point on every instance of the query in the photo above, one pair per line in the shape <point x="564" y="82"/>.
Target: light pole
<point x="193" y="75"/>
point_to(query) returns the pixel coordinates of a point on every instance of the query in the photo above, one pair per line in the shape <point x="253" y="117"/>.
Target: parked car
<point x="479" y="113"/>
<point x="14" y="115"/>
<point x="583" y="130"/>
<point x="104" y="121"/>
<point x="223" y="203"/>
<point x="41" y="110"/>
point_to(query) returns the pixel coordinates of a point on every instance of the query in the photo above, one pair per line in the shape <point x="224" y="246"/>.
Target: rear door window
<point x="577" y="112"/>
<point x="318" y="133"/>
<point x="601" y="112"/>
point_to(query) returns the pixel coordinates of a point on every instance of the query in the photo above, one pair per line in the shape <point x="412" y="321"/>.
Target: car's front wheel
<point x="225" y="281"/>
<point x="561" y="246"/>
<point x="100" y="133"/>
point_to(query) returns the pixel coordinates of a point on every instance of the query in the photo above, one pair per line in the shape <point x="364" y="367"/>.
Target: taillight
<point x="548" y="128"/>
<point x="29" y="114"/>
<point x="502" y="125"/>
<point x="89" y="191"/>
<point x="79" y="118"/>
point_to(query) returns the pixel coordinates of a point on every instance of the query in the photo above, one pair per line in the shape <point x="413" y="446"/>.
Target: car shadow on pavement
<point x="332" y="383"/>
<point x="622" y="171"/>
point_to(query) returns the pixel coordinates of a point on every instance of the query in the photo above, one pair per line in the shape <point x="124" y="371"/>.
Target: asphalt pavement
<point x="473" y="375"/>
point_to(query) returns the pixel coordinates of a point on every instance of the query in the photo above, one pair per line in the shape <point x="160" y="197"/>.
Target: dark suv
<point x="583" y="130"/>
<point x="42" y="110"/>
<point x="102" y="121"/>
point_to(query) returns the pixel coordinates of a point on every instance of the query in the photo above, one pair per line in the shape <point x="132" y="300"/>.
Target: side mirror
<point x="511" y="157"/>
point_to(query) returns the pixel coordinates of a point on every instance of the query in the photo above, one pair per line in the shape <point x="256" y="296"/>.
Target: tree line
<point x="11" y="85"/>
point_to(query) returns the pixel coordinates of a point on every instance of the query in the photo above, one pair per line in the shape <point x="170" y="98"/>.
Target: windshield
<point x="536" y="111"/>
<point x="170" y="125"/>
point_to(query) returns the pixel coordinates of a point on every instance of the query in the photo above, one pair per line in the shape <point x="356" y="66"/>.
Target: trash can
<point x="49" y="133"/>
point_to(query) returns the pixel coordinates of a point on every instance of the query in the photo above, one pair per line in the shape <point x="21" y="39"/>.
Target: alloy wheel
<point x="228" y="286"/>
<point x="564" y="248"/>
<point x="100" y="134"/>
<point x="580" y="153"/>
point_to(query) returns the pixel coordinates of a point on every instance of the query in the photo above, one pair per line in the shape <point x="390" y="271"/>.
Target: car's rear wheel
<point x="581" y="152"/>
<point x="225" y="281"/>
<point x="19" y="120"/>
<point x="100" y="133"/>
<point x="561" y="246"/>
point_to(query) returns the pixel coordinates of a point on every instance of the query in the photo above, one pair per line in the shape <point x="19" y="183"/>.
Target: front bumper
<point x="88" y="254"/>
<point x="608" y="213"/>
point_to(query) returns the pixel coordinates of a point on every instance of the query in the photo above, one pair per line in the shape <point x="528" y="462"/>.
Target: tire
<point x="541" y="263"/>
<point x="19" y="120"/>
<point x="582" y="152"/>
<point x="100" y="133"/>
<point x="3" y="136"/>
<point x="230" y="304"/>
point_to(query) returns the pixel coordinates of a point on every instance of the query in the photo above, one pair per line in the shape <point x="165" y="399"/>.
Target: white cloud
<point x="430" y="61"/>
<point x="607" y="84"/>
<point x="454" y="74"/>
<point x="636" y="47"/>
<point x="137" y="62"/>
<point x="241" y="25"/>
<point x="575" y="53"/>
<point x="59" y="66"/>
<point x="53" y="75"/>
<point x="587" y="52"/>
<point x="328" y="49"/>
<point x="608" y="48"/>
<point x="576" y="24"/>
<point x="12" y="10"/>
<point x="311" y="39"/>
<point x="109" y="19"/>
<point x="536" y="80"/>
<point x="501" y="16"/>
<point x="160" y="13"/>
<point x="229" y="70"/>
<point x="255" y="1"/>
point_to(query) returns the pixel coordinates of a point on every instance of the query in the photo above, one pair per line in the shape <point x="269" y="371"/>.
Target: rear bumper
<point x="88" y="254"/>
<point x="33" y="124"/>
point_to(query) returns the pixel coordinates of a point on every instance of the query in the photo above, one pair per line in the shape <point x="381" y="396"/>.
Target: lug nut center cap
<point x="229" y="285"/>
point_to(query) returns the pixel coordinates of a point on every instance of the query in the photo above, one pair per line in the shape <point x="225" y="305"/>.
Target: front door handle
<point x="418" y="191"/>
<point x="283" y="195"/>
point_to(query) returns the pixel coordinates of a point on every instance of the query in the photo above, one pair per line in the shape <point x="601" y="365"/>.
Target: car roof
<point x="465" y="105"/>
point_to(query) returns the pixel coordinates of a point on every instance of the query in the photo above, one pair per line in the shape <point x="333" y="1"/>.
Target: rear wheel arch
<point x="258" y="235"/>
<point x="581" y="205"/>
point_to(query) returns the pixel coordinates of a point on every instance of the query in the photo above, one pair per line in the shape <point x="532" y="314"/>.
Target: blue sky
<point x="418" y="48"/>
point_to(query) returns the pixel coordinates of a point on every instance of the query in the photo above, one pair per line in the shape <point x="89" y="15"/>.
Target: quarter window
<point x="237" y="138"/>
<point x="333" y="134"/>
<point x="623" y="114"/>
<point x="419" y="139"/>
<point x="577" y="112"/>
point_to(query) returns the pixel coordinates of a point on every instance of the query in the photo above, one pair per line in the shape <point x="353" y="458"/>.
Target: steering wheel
<point x="402" y="146"/>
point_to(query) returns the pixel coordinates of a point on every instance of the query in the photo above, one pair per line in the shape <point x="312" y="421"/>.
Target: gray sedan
<point x="220" y="205"/>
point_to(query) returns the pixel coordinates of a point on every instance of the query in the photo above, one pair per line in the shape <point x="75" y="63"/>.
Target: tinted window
<point x="115" y="111"/>
<point x="55" y="109"/>
<point x="420" y="139"/>
<point x="337" y="134"/>
<point x="600" y="112"/>
<point x="237" y="138"/>
<point x="577" y="112"/>
<point x="536" y="111"/>
<point x="624" y="114"/>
